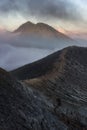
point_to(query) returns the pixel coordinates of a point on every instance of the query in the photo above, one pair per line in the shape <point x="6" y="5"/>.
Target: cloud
<point x="16" y="52"/>
<point x="65" y="10"/>
<point x="58" y="9"/>
<point x="14" y="57"/>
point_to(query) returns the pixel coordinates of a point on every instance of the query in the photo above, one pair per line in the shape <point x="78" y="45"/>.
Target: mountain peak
<point x="42" y="24"/>
<point x="40" y="29"/>
<point x="24" y="28"/>
<point x="28" y="23"/>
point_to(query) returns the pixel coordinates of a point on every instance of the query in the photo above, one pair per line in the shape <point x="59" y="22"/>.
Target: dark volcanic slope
<point x="37" y="68"/>
<point x="62" y="77"/>
<point x="22" y="108"/>
<point x="69" y="56"/>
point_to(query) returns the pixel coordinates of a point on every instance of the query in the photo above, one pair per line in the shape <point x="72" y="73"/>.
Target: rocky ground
<point x="50" y="94"/>
<point x="22" y="108"/>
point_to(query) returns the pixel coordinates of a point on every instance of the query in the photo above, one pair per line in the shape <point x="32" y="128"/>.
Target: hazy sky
<point x="70" y="15"/>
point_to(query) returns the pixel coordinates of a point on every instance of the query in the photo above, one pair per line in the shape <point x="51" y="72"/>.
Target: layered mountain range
<point x="50" y="94"/>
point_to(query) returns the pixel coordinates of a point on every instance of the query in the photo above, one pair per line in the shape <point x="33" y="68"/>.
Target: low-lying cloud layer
<point x="13" y="57"/>
<point x="16" y="52"/>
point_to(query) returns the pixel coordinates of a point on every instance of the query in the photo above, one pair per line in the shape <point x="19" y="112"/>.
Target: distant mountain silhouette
<point x="41" y="35"/>
<point x="40" y="29"/>
<point x="62" y="77"/>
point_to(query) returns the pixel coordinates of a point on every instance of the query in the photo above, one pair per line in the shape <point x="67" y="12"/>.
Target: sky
<point x="65" y="15"/>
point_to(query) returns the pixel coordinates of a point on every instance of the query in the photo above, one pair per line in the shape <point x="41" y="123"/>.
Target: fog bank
<point x="16" y="51"/>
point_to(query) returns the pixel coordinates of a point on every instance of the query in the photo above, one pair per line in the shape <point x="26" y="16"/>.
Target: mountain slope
<point x="62" y="77"/>
<point x="37" y="68"/>
<point x="47" y="64"/>
<point x="40" y="29"/>
<point x="22" y="108"/>
<point x="41" y="35"/>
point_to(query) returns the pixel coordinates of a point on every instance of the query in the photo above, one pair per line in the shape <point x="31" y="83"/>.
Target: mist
<point x="12" y="57"/>
<point x="16" y="51"/>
